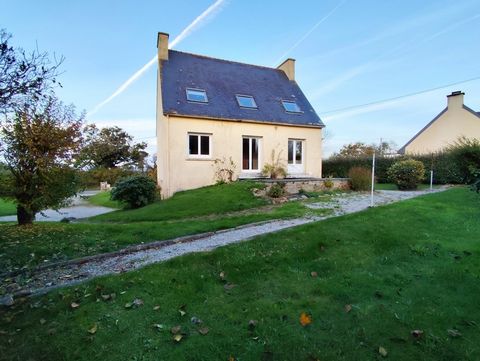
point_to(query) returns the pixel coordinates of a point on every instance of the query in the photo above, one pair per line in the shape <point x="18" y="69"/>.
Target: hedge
<point x="445" y="168"/>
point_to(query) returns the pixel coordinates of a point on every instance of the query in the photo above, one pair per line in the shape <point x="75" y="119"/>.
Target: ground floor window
<point x="199" y="145"/>
<point x="250" y="153"/>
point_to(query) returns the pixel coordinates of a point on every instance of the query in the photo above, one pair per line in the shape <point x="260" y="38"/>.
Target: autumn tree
<point x="39" y="143"/>
<point x="24" y="76"/>
<point x="110" y="147"/>
<point x="359" y="149"/>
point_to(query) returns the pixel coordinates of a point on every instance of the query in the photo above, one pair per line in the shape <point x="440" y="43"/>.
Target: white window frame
<point x="199" y="155"/>
<point x="259" y="140"/>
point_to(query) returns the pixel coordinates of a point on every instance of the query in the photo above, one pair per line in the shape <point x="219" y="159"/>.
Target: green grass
<point x="216" y="199"/>
<point x="27" y="247"/>
<point x="103" y="199"/>
<point x="407" y="266"/>
<point x="7" y="208"/>
<point x="393" y="187"/>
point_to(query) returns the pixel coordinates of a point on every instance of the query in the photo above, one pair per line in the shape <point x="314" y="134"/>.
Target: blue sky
<point x="348" y="52"/>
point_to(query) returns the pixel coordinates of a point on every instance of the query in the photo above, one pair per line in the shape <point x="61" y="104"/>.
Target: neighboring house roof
<point x="402" y="149"/>
<point x="223" y="80"/>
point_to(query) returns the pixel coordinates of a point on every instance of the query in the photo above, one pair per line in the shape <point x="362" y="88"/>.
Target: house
<point x="455" y="121"/>
<point x="211" y="109"/>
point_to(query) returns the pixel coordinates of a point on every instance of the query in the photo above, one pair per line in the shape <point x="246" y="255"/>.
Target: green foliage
<point x="39" y="145"/>
<point x="276" y="190"/>
<point x="275" y="169"/>
<point x="360" y="178"/>
<point x="136" y="191"/>
<point x="328" y="183"/>
<point x="407" y="174"/>
<point x="443" y="164"/>
<point x="7" y="207"/>
<point x="360" y="149"/>
<point x="110" y="147"/>
<point x="91" y="178"/>
<point x="466" y="154"/>
<point x="367" y="260"/>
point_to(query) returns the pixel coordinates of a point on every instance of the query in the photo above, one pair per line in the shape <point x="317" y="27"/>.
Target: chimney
<point x="288" y="67"/>
<point x="455" y="100"/>
<point x="162" y="46"/>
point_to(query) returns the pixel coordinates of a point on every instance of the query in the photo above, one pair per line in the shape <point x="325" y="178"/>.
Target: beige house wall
<point x="455" y="122"/>
<point x="178" y="171"/>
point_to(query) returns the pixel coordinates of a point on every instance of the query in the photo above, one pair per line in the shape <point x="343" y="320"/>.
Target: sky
<point x="348" y="53"/>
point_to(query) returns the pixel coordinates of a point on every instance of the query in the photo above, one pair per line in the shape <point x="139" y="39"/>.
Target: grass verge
<point x="103" y="199"/>
<point x="7" y="208"/>
<point x="379" y="274"/>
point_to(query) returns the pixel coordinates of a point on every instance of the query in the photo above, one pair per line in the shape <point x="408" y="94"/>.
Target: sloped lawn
<point x="413" y="265"/>
<point x="7" y="208"/>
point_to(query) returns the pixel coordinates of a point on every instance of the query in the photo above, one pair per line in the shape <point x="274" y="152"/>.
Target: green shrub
<point x="407" y="174"/>
<point x="328" y="183"/>
<point x="276" y="190"/>
<point x="466" y="154"/>
<point x="276" y="169"/>
<point x="93" y="177"/>
<point x="360" y="178"/>
<point x="136" y="191"/>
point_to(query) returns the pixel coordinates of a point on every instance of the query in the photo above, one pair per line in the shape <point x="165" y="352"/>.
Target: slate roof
<point x="222" y="80"/>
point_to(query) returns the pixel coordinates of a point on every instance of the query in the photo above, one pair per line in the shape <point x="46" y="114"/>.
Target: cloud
<point x="200" y="20"/>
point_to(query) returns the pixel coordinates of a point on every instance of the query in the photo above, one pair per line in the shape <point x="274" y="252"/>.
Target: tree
<point x="357" y="149"/>
<point x="39" y="143"/>
<point x="23" y="76"/>
<point x="109" y="148"/>
<point x="360" y="149"/>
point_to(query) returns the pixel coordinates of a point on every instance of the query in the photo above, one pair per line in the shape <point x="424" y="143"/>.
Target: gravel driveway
<point x="79" y="208"/>
<point x="49" y="277"/>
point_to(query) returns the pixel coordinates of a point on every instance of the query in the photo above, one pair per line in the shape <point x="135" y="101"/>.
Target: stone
<point x="7" y="300"/>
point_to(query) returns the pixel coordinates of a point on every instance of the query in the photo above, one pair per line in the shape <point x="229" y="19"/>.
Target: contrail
<point x="194" y="25"/>
<point x="307" y="34"/>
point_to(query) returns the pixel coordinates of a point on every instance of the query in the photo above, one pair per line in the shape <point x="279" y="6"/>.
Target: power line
<point x="400" y="96"/>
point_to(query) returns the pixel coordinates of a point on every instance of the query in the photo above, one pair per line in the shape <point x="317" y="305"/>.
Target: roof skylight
<point x="246" y="101"/>
<point x="291" y="106"/>
<point x="197" y="95"/>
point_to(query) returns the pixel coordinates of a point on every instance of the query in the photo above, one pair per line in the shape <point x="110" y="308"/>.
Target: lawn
<point x="27" y="247"/>
<point x="379" y="275"/>
<point x="393" y="187"/>
<point x="103" y="199"/>
<point x="216" y="199"/>
<point x="7" y="208"/>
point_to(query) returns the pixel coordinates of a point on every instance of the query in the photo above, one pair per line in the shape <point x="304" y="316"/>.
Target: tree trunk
<point x="24" y="216"/>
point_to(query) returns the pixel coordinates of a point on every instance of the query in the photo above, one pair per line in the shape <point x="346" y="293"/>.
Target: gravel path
<point x="49" y="277"/>
<point x="79" y="208"/>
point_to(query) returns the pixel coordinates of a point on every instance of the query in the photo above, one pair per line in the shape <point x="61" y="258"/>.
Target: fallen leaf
<point x="176" y="329"/>
<point x="123" y="292"/>
<point x="305" y="319"/>
<point x="128" y="305"/>
<point x="177" y="337"/>
<point x="43" y="321"/>
<point x="156" y="308"/>
<point x="252" y="324"/>
<point x="182" y="312"/>
<point x="137" y="302"/>
<point x="229" y="286"/>
<point x="382" y="351"/>
<point x="106" y="297"/>
<point x="92" y="330"/>
<point x="348" y="308"/>
<point x="314" y="274"/>
<point x="196" y="320"/>
<point x="158" y="326"/>
<point x="203" y="330"/>
<point x="454" y="333"/>
<point x="222" y="276"/>
<point x="74" y="305"/>
<point x="417" y="333"/>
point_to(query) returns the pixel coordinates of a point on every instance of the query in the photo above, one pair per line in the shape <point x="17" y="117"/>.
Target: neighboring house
<point x="455" y="121"/>
<point x="210" y="109"/>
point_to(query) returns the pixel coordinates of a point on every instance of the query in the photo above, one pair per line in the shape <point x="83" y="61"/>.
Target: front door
<point x="295" y="156"/>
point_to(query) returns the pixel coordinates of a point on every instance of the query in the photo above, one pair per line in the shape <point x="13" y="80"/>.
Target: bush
<point x="360" y="178"/>
<point x="276" y="190"/>
<point x="466" y="154"/>
<point x="407" y="174"/>
<point x="275" y="169"/>
<point x="136" y="191"/>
